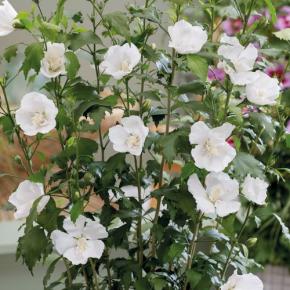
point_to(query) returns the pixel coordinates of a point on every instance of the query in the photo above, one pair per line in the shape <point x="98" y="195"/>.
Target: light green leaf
<point x="198" y="66"/>
<point x="72" y="64"/>
<point x="283" y="34"/>
<point x="118" y="23"/>
<point x="272" y="10"/>
<point x="285" y="229"/>
<point x="33" y="56"/>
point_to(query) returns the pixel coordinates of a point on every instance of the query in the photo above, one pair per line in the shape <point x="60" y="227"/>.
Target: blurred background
<point x="270" y="251"/>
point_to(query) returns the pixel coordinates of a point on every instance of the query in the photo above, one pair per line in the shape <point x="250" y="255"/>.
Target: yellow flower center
<point x="81" y="244"/>
<point x="39" y="119"/>
<point x="210" y="147"/>
<point x="125" y="66"/>
<point x="215" y="194"/>
<point x="133" y="141"/>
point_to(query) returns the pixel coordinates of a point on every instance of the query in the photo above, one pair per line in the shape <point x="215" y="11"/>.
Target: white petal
<point x="94" y="230"/>
<point x="224" y="131"/>
<point x="75" y="229"/>
<point x="62" y="241"/>
<point x="195" y="187"/>
<point x="75" y="257"/>
<point x="224" y="208"/>
<point x="94" y="249"/>
<point x="199" y="133"/>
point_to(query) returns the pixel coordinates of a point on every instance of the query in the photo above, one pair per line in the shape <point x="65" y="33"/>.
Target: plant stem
<point x="69" y="278"/>
<point x="139" y="222"/>
<point x="228" y="261"/>
<point x="229" y="92"/>
<point x="193" y="245"/>
<point x="247" y="16"/>
<point x="95" y="276"/>
<point x="160" y="183"/>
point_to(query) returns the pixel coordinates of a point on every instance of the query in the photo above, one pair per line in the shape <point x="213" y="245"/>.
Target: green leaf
<point x="33" y="246"/>
<point x="288" y="140"/>
<point x="7" y="127"/>
<point x="173" y="144"/>
<point x="49" y="216"/>
<point x="10" y="52"/>
<point x="175" y="251"/>
<point x="78" y="40"/>
<point x="285" y="229"/>
<point x="272" y="10"/>
<point x="59" y="11"/>
<point x="77" y="210"/>
<point x="72" y="64"/>
<point x="195" y="87"/>
<point x="49" y="271"/>
<point x="283" y="34"/>
<point x="245" y="164"/>
<point x="198" y="66"/>
<point x="118" y="23"/>
<point x="193" y="277"/>
<point x="33" y="56"/>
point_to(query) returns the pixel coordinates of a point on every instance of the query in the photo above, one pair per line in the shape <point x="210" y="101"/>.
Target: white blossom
<point x="53" y="63"/>
<point x="220" y="197"/>
<point x="242" y="60"/>
<point x="264" y="90"/>
<point x="24" y="197"/>
<point x="120" y="61"/>
<point x="243" y="282"/>
<point x="36" y="114"/>
<point x="129" y="136"/>
<point x="7" y="18"/>
<point x="80" y="241"/>
<point x="212" y="152"/>
<point x="186" y="38"/>
<point x="255" y="189"/>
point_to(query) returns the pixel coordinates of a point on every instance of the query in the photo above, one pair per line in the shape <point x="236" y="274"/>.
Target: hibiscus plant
<point x="163" y="148"/>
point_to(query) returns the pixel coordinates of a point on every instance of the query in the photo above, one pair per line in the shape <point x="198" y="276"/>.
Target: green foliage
<point x="33" y="56"/>
<point x="198" y="66"/>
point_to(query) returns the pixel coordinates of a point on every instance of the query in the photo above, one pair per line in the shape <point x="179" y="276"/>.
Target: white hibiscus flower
<point x="7" y="18"/>
<point x="120" y="61"/>
<point x="81" y="241"/>
<point x="242" y="60"/>
<point x="129" y="136"/>
<point x="264" y="90"/>
<point x="220" y="197"/>
<point x="186" y="38"/>
<point x="255" y="189"/>
<point x="24" y="197"/>
<point x="243" y="282"/>
<point x="36" y="114"/>
<point x="212" y="152"/>
<point x="53" y="63"/>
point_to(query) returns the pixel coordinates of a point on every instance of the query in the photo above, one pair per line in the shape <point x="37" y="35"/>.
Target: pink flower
<point x="283" y="20"/>
<point x="231" y="142"/>
<point x="216" y="74"/>
<point x="232" y="26"/>
<point x="278" y="71"/>
<point x="288" y="127"/>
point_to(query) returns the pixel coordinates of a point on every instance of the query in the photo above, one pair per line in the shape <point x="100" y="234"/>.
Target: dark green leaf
<point x="118" y="23"/>
<point x="78" y="40"/>
<point x="72" y="64"/>
<point x="198" y="66"/>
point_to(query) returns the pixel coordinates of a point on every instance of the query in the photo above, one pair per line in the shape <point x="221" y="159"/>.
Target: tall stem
<point x="139" y="222"/>
<point x="193" y="245"/>
<point x="160" y="183"/>
<point x="229" y="258"/>
<point x="69" y="277"/>
<point x="95" y="276"/>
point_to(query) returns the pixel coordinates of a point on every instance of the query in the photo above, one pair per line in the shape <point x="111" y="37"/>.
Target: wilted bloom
<point x="243" y="282"/>
<point x="264" y="90"/>
<point x="212" y="151"/>
<point x="129" y="136"/>
<point x="255" y="189"/>
<point x="36" y="114"/>
<point x="220" y="197"/>
<point x="24" y="197"/>
<point x="242" y="60"/>
<point x="120" y="61"/>
<point x="81" y="240"/>
<point x="53" y="63"/>
<point x="7" y="17"/>
<point x="186" y="38"/>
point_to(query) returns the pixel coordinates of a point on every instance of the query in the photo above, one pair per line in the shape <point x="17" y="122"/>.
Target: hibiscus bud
<point x="89" y="178"/>
<point x="251" y="242"/>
